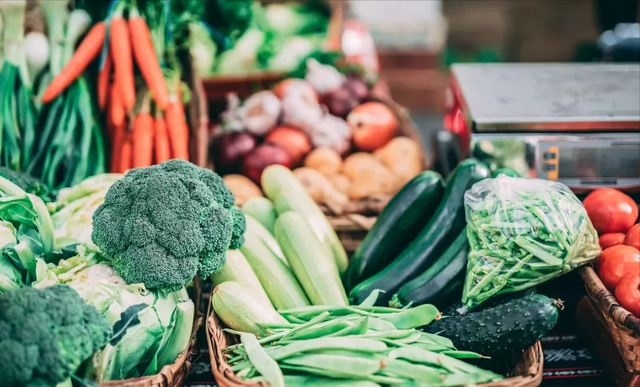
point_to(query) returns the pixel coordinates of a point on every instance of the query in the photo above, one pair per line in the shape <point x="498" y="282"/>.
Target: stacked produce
<point x="250" y="37"/>
<point x="128" y="246"/>
<point x="615" y="217"/>
<point x="342" y="145"/>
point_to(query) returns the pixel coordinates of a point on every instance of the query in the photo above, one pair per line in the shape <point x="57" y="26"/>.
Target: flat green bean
<point x="315" y="381"/>
<point x="422" y="356"/>
<point x="356" y="366"/>
<point x="337" y="375"/>
<point x="414" y="317"/>
<point x="261" y="361"/>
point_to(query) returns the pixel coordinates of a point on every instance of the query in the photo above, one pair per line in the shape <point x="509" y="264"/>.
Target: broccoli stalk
<point x="163" y="224"/>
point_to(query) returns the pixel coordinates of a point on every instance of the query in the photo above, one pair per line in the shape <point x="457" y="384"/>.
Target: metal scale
<point x="578" y="124"/>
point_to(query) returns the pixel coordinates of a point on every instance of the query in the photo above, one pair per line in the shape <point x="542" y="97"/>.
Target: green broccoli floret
<point x="163" y="224"/>
<point x="239" y="228"/>
<point x="28" y="183"/>
<point x="46" y="334"/>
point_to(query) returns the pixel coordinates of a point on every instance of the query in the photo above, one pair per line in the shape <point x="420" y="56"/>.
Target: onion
<point x="291" y="140"/>
<point x="229" y="149"/>
<point x="260" y="113"/>
<point x="261" y="157"/>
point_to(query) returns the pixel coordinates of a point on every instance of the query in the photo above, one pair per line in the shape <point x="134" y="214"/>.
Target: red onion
<point x="228" y="150"/>
<point x="261" y="157"/>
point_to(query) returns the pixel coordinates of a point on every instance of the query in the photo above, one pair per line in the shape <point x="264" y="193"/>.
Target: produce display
<point x="615" y="216"/>
<point x="115" y="280"/>
<point x="342" y="145"/>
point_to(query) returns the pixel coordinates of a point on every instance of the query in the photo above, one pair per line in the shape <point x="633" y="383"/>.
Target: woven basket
<point x="526" y="373"/>
<point x="175" y="374"/>
<point x="623" y="327"/>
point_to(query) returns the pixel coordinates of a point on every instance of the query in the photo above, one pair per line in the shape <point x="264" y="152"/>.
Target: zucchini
<point x="240" y="310"/>
<point x="445" y="225"/>
<point x="308" y="260"/>
<point x="262" y="210"/>
<point x="427" y="288"/>
<point x="238" y="269"/>
<point x="512" y="326"/>
<point x="396" y="227"/>
<point x="278" y="281"/>
<point x="287" y="194"/>
<point x="267" y="237"/>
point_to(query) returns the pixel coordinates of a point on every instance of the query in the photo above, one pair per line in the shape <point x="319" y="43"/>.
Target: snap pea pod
<point x="261" y="361"/>
<point x="314" y="381"/>
<point x="394" y="381"/>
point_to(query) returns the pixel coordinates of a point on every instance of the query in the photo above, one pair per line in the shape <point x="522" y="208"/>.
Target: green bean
<point x="323" y="329"/>
<point x="422" y="356"/>
<point x="436" y="339"/>
<point x="417" y="372"/>
<point x="314" y="381"/>
<point x="475" y="291"/>
<point x="413" y="318"/>
<point x="316" y="320"/>
<point x="431" y="347"/>
<point x="261" y="361"/>
<point x="351" y="343"/>
<point x="371" y="298"/>
<point x="377" y="324"/>
<point x="294" y="319"/>
<point x="357" y="329"/>
<point x="393" y="335"/>
<point x="468" y="379"/>
<point x="463" y="355"/>
<point x="277" y="325"/>
<point x="356" y="366"/>
<point x="338" y="375"/>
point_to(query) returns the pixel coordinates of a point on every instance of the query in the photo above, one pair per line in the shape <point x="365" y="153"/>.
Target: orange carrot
<point x="116" y="148"/>
<point x="146" y="59"/>
<point x="116" y="113"/>
<point x="161" y="141"/>
<point x="178" y="130"/>
<point x="126" y="153"/>
<point x="123" y="63"/>
<point x="142" y="140"/>
<point x="88" y="49"/>
<point x="103" y="82"/>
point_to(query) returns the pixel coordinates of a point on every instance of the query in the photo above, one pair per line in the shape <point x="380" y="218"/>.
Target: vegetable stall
<point x="119" y="207"/>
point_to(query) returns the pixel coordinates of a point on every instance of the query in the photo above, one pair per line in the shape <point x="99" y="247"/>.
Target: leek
<point x="79" y="22"/>
<point x="56" y="15"/>
<point x="13" y="14"/>
<point x="36" y="49"/>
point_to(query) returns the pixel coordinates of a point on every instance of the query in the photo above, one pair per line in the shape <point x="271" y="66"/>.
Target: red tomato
<point x="291" y="140"/>
<point x="633" y="237"/>
<point x="611" y="210"/>
<point x="373" y="125"/>
<point x="613" y="239"/>
<point x="628" y="293"/>
<point x="617" y="261"/>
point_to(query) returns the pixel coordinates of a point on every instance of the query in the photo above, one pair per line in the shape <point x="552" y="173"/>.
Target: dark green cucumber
<point x="427" y="288"/>
<point x="400" y="221"/>
<point x="506" y="171"/>
<point x="445" y="225"/>
<point x="459" y="308"/>
<point x="515" y="325"/>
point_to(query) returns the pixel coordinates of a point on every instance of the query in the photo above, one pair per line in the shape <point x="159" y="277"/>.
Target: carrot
<point x="143" y="140"/>
<point x="89" y="48"/>
<point x="146" y="59"/>
<point x="126" y="152"/>
<point x="178" y="130"/>
<point x="116" y="148"/>
<point x="103" y="82"/>
<point x="121" y="50"/>
<point x="116" y="108"/>
<point x="162" y="146"/>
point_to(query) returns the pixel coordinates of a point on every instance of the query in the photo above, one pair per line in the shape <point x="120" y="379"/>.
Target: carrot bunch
<point x="144" y="129"/>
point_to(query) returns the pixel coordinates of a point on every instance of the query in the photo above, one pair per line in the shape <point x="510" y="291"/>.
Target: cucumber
<point x="445" y="225"/>
<point x="396" y="227"/>
<point x="506" y="171"/>
<point x="459" y="308"/>
<point x="512" y="326"/>
<point x="427" y="288"/>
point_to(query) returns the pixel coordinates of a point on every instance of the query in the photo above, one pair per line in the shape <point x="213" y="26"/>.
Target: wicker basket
<point x="526" y="373"/>
<point x="623" y="327"/>
<point x="175" y="374"/>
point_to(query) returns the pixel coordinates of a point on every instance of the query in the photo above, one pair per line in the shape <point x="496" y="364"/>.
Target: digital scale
<point x="578" y="124"/>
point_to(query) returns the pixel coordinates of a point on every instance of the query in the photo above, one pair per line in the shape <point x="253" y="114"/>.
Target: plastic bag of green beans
<point x="523" y="232"/>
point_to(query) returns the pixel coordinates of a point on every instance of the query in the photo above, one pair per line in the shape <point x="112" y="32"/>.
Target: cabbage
<point x="160" y="322"/>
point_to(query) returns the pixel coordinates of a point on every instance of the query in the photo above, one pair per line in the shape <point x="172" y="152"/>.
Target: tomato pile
<point x="615" y="216"/>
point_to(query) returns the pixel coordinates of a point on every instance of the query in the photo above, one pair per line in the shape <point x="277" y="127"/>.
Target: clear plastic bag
<point x="523" y="232"/>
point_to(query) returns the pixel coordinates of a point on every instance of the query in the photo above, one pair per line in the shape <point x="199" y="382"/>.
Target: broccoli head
<point x="163" y="224"/>
<point x="27" y="183"/>
<point x="46" y="334"/>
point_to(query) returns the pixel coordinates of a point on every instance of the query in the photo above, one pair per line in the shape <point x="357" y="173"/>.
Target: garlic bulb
<point x="323" y="78"/>
<point x="260" y="113"/>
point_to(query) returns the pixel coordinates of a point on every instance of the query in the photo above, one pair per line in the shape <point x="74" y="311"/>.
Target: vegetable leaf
<point x="128" y="319"/>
